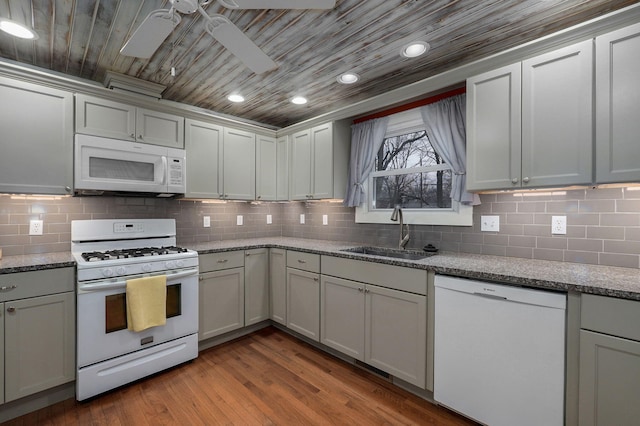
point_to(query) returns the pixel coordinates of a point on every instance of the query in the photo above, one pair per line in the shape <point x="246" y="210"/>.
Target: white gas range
<point x="109" y="252"/>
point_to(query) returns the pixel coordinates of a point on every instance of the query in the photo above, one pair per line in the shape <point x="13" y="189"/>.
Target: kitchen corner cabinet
<point x="385" y="325"/>
<point x="319" y="162"/>
<point x="529" y="124"/>
<point x="221" y="293"/>
<point x="239" y="165"/>
<point x="203" y="144"/>
<point x="102" y="117"/>
<point x="609" y="361"/>
<point x="303" y="293"/>
<point x="617" y="100"/>
<point x="278" y="285"/>
<point x="36" y="158"/>
<point x="38" y="318"/>
<point x="266" y="168"/>
<point x="256" y="286"/>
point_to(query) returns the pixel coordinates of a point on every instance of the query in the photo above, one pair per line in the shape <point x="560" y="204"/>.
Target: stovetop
<point x="97" y="256"/>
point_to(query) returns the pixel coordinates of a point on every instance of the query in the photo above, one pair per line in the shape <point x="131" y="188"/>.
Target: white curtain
<point x="366" y="139"/>
<point x="445" y="122"/>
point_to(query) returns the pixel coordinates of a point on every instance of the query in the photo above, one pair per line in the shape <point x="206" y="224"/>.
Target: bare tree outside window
<point x="411" y="174"/>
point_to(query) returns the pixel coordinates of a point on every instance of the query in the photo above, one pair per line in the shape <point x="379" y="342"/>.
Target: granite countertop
<point x="563" y="276"/>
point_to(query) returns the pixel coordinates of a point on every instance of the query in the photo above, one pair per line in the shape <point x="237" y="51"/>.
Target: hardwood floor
<point x="266" y="378"/>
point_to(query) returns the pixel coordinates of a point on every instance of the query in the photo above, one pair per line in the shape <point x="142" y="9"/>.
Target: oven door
<point x="102" y="317"/>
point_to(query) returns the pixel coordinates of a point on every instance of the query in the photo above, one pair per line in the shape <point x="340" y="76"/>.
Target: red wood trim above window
<point x="412" y="105"/>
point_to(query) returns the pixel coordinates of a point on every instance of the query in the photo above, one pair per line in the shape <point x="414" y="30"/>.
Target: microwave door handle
<point x="164" y="170"/>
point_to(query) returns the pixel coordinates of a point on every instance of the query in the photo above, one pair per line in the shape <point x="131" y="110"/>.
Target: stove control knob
<point x="170" y="264"/>
<point x="121" y="270"/>
<point x="179" y="263"/>
<point x="146" y="267"/>
<point x="107" y="272"/>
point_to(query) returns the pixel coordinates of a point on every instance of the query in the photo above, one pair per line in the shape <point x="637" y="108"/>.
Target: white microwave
<point x="117" y="166"/>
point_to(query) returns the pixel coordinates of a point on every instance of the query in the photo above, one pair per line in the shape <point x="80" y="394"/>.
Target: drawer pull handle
<point x="8" y="287"/>
<point x="223" y="260"/>
<point x="302" y="261"/>
<point x="11" y="309"/>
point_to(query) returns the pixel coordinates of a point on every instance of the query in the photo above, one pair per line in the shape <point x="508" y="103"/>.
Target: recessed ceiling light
<point x="415" y="49"/>
<point x="17" y="30"/>
<point x="299" y="100"/>
<point x="348" y="78"/>
<point x="234" y="97"/>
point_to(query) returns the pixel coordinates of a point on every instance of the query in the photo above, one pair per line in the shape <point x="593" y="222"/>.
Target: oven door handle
<point x="97" y="286"/>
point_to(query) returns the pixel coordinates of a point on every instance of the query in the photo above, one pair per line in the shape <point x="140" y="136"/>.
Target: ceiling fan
<point x="157" y="26"/>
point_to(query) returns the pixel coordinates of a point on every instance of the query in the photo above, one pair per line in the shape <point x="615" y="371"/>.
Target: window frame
<point x="458" y="215"/>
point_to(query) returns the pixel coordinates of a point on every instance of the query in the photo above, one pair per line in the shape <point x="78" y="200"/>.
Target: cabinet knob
<point x="360" y="289"/>
<point x="316" y="279"/>
<point x="259" y="196"/>
<point x="68" y="189"/>
<point x="133" y="135"/>
<point x="247" y="254"/>
<point x="367" y="290"/>
<point x="11" y="309"/>
<point x="140" y="137"/>
<point x="302" y="261"/>
<point x="514" y="181"/>
<point x="525" y="179"/>
<point x="200" y="278"/>
<point x="223" y="260"/>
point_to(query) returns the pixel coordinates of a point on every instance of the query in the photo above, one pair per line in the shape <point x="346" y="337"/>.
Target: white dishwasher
<point x="499" y="352"/>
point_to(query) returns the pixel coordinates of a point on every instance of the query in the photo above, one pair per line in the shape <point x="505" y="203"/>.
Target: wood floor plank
<point x="266" y="378"/>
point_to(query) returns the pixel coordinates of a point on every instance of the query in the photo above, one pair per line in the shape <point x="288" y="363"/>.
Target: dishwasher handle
<point x="489" y="296"/>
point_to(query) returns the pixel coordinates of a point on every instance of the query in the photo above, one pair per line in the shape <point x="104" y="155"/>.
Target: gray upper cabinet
<point x="102" y="117"/>
<point x="266" y="168"/>
<point x="319" y="161"/>
<point x="239" y="159"/>
<point x="203" y="143"/>
<point x="617" y="98"/>
<point x="36" y="159"/>
<point x="529" y="125"/>
<point x="282" y="168"/>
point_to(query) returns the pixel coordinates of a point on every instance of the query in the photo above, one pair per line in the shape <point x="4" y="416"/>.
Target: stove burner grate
<point x="95" y="256"/>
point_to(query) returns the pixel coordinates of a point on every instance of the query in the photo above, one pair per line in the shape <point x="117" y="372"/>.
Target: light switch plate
<point x="269" y="219"/>
<point x="35" y="227"/>
<point x="490" y="223"/>
<point x="206" y="221"/>
<point x="302" y="219"/>
<point x="559" y="225"/>
<point x="239" y="220"/>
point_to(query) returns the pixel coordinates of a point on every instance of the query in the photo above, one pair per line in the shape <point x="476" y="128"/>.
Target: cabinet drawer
<point x="609" y="315"/>
<point x="36" y="283"/>
<point x="305" y="261"/>
<point x="390" y="276"/>
<point x="218" y="261"/>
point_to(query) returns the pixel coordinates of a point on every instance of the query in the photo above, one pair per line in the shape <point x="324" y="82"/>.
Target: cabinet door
<point x="101" y="117"/>
<point x="278" y="285"/>
<point x="396" y="333"/>
<point x="266" y="168"/>
<point x="239" y="155"/>
<point x="159" y="128"/>
<point x="557" y="109"/>
<point x="342" y="315"/>
<point x="609" y="380"/>
<point x="256" y="286"/>
<point x="37" y="139"/>
<point x="322" y="161"/>
<point x="282" y="168"/>
<point x="39" y="344"/>
<point x="494" y="129"/>
<point x="300" y="173"/>
<point x="617" y="99"/>
<point x="303" y="303"/>
<point x="203" y="143"/>
<point x="221" y="302"/>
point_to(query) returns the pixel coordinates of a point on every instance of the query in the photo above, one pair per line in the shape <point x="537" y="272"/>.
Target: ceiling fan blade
<point x="278" y="4"/>
<point x="155" y="28"/>
<point x="234" y="40"/>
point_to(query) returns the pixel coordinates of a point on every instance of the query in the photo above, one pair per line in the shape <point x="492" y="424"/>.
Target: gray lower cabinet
<point x="256" y="286"/>
<point x="609" y="387"/>
<point x="37" y="329"/>
<point x="303" y="293"/>
<point x="278" y="285"/>
<point x="221" y="293"/>
<point x="37" y="135"/>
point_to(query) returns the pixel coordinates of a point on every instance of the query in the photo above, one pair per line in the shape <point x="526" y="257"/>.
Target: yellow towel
<point x="146" y="302"/>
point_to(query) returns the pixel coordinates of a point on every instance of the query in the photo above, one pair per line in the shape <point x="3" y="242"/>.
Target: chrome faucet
<point x="404" y="239"/>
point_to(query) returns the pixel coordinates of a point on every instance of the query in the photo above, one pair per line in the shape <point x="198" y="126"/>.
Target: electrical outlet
<point x="206" y="221"/>
<point x="490" y="223"/>
<point x="302" y="219"/>
<point x="325" y="219"/>
<point x="35" y="227"/>
<point x="559" y="225"/>
<point x="239" y="220"/>
<point x="269" y="219"/>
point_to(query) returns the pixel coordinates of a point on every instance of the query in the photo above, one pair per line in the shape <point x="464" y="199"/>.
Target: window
<point x="410" y="173"/>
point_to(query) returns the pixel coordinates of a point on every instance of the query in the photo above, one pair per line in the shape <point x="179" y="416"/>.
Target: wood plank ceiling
<point x="82" y="38"/>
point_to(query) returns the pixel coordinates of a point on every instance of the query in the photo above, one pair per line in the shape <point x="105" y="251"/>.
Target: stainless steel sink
<point x="388" y="252"/>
